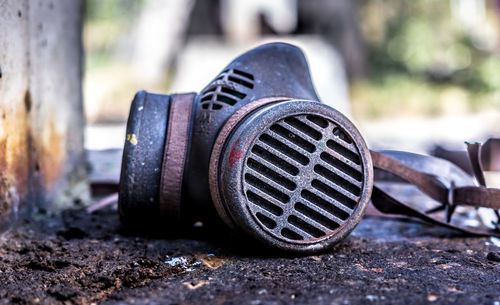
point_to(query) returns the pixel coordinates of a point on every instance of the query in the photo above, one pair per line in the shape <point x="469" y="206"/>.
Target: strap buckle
<point x="450" y="206"/>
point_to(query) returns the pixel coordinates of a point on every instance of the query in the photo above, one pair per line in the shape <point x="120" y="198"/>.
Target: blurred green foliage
<point x="422" y="58"/>
<point x="420" y="48"/>
<point x="113" y="10"/>
<point x="106" y="22"/>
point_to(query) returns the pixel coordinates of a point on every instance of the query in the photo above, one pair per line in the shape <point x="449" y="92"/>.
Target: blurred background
<point x="409" y="73"/>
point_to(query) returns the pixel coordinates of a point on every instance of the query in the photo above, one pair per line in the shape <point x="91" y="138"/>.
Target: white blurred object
<point x="204" y="57"/>
<point x="495" y="241"/>
<point x="470" y="12"/>
<point x="418" y="134"/>
<point x="240" y="18"/>
<point x="104" y="136"/>
<point x="472" y="15"/>
<point x="158" y="35"/>
<point x="487" y="217"/>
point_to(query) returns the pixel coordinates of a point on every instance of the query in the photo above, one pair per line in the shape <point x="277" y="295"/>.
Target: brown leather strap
<point x="176" y="144"/>
<point x="448" y="196"/>
<point x="426" y="183"/>
<point x="474" y="154"/>
<point x="432" y="186"/>
<point x="387" y="204"/>
<point x="489" y="156"/>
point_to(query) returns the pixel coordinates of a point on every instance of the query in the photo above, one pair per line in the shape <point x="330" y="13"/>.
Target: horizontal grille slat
<point x="231" y="93"/>
<point x="287" y="233"/>
<point x="307" y="217"/>
<point x="333" y="193"/>
<point x="265" y="196"/>
<point x="319" y="215"/>
<point x="336" y="162"/>
<point x="340" y="173"/>
<point x="266" y="188"/>
<point x="244" y="74"/>
<point x="207" y="97"/>
<point x="298" y="149"/>
<point x="321" y="122"/>
<point x="307" y="141"/>
<point x="343" y="159"/>
<point x="342" y="150"/>
<point x="263" y="204"/>
<point x="330" y="207"/>
<point x="241" y="81"/>
<point x="332" y="202"/>
<point x="316" y="126"/>
<point x="297" y="230"/>
<point x="337" y="184"/>
<point x="284" y="149"/>
<point x="267" y="221"/>
<point x="268" y="181"/>
<point x="299" y="133"/>
<point x="222" y="90"/>
<point x="287" y="173"/>
<point x="349" y="146"/>
<point x="343" y="139"/>
<point x="305" y="226"/>
<point x="278" y="154"/>
<point x="271" y="174"/>
<point x="304" y="128"/>
<point x="224" y="98"/>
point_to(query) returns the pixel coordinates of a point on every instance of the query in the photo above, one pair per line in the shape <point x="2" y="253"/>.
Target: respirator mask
<point x="259" y="151"/>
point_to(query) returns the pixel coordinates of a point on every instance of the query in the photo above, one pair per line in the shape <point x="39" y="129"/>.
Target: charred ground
<point x="81" y="258"/>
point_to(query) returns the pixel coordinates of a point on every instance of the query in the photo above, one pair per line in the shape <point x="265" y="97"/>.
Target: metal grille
<point x="303" y="178"/>
<point x="226" y="89"/>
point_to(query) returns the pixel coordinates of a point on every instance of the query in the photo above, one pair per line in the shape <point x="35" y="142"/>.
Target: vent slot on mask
<point x="227" y="89"/>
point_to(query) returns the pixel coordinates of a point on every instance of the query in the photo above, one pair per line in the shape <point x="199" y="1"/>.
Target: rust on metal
<point x="261" y="153"/>
<point x="306" y="176"/>
<point x="200" y="164"/>
<point x="219" y="144"/>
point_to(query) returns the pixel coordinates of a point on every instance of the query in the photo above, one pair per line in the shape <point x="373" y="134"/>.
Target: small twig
<point x="108" y="200"/>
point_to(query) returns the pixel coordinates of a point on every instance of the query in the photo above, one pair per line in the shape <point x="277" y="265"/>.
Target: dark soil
<point x="80" y="258"/>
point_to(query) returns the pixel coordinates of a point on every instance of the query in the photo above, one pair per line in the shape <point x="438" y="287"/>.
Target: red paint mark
<point x="236" y="154"/>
